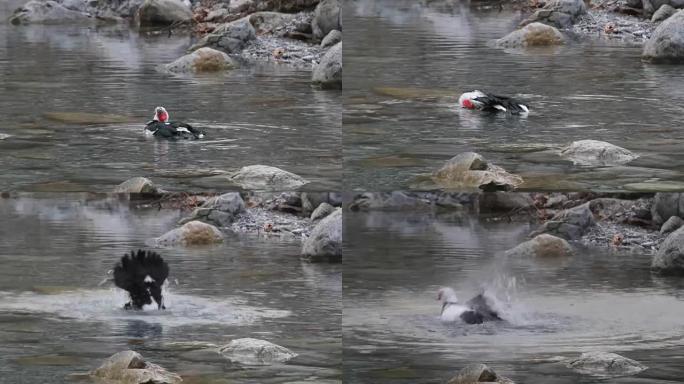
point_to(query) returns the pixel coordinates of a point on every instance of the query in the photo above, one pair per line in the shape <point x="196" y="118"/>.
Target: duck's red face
<point x="162" y="116"/>
<point x="468" y="104"/>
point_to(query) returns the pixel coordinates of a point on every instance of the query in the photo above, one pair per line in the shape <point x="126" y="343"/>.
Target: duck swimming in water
<point x="160" y="126"/>
<point x="489" y="102"/>
<point x="475" y="311"/>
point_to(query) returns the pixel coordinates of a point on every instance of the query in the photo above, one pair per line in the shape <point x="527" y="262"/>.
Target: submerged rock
<point x="191" y="233"/>
<point x="327" y="17"/>
<point x="663" y="13"/>
<point x="669" y="259"/>
<point x="250" y="351"/>
<point x="202" y="60"/>
<point x="478" y="373"/>
<point x="396" y="200"/>
<point x="129" y="367"/>
<point x="596" y="153"/>
<point x="48" y="12"/>
<point x="323" y="210"/>
<point x="504" y="202"/>
<point x="471" y="170"/>
<point x="138" y="185"/>
<point x="543" y="245"/>
<point x="569" y="224"/>
<point x="219" y="210"/>
<point x="532" y="35"/>
<point x="230" y="37"/>
<point x="559" y="13"/>
<point x="328" y="73"/>
<point x="154" y="13"/>
<point x="264" y="177"/>
<point x="331" y="38"/>
<point x="325" y="242"/>
<point x="605" y="364"/>
<point x="666" y="45"/>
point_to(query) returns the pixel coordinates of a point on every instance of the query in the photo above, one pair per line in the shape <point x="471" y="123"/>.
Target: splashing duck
<point x="476" y="311"/>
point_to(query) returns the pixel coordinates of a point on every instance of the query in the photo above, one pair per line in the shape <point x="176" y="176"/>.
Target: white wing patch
<point x="500" y="107"/>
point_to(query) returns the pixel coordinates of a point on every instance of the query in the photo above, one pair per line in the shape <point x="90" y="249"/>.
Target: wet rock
<point x="325" y="242"/>
<point x="331" y="38"/>
<point x="478" y="373"/>
<point x="471" y="170"/>
<point x="605" y="364"/>
<point x="230" y="37"/>
<point x="48" y="12"/>
<point x="264" y="177"/>
<point x="129" y="367"/>
<point x="649" y="7"/>
<point x="543" y="245"/>
<point x="202" y="60"/>
<point x="322" y="211"/>
<point x="664" y="12"/>
<point x="273" y="23"/>
<point x="250" y="351"/>
<point x="559" y="13"/>
<point x="155" y="13"/>
<point x="396" y="200"/>
<point x="596" y="153"/>
<point x="251" y="6"/>
<point x="666" y="205"/>
<point x="569" y="224"/>
<point x="670" y="256"/>
<point x="505" y="202"/>
<point x="191" y="233"/>
<point x="672" y="224"/>
<point x="326" y="18"/>
<point x="328" y="73"/>
<point x="138" y="185"/>
<point x="220" y="210"/>
<point x="532" y="35"/>
<point x="666" y="45"/>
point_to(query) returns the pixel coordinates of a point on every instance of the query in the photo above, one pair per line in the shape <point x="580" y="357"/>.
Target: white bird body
<point x="452" y="312"/>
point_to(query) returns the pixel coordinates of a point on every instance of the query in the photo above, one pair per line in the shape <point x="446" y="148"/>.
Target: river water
<point x="74" y="100"/>
<point x="553" y="309"/>
<point x="407" y="63"/>
<point x="56" y="322"/>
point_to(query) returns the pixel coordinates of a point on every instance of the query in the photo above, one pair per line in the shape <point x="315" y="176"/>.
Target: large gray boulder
<point x="327" y="17"/>
<point x="230" y="37"/>
<point x="669" y="259"/>
<point x="596" y="153"/>
<point x="155" y="13"/>
<point x="331" y="38"/>
<point x="201" y="61"/>
<point x="323" y="210"/>
<point x="48" y="12"/>
<point x="559" y="13"/>
<point x="532" y="35"/>
<point x="666" y="44"/>
<point x="663" y="13"/>
<point x="666" y="205"/>
<point x="672" y="224"/>
<point x="569" y="224"/>
<point x="220" y="210"/>
<point x="544" y="246"/>
<point x="250" y="351"/>
<point x="471" y="171"/>
<point x="328" y="73"/>
<point x="325" y="241"/>
<point x="478" y="373"/>
<point x="191" y="234"/>
<point x="129" y="367"/>
<point x="141" y="185"/>
<point x="605" y="364"/>
<point x="264" y="177"/>
<point x="650" y="7"/>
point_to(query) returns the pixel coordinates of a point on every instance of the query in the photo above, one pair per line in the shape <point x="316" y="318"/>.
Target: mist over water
<point x="598" y="300"/>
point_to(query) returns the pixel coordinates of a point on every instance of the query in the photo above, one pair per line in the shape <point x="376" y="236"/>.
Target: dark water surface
<point x="406" y="64"/>
<point x="554" y="309"/>
<point x="265" y="114"/>
<point x="55" y="321"/>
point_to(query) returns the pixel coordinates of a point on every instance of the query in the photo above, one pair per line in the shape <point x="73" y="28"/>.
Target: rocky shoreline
<point x="305" y="34"/>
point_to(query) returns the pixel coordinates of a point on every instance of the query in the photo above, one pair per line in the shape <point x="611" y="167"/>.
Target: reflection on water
<point x="56" y="320"/>
<point x="265" y="114"/>
<point x="552" y="309"/>
<point x="407" y="64"/>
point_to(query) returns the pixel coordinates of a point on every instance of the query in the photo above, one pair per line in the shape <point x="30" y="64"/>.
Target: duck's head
<point x="467" y="100"/>
<point x="446" y="295"/>
<point x="160" y="114"/>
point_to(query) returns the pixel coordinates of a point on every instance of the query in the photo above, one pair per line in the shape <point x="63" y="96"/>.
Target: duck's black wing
<point x="154" y="266"/>
<point x="129" y="273"/>
<point x="481" y="306"/>
<point x="496" y="103"/>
